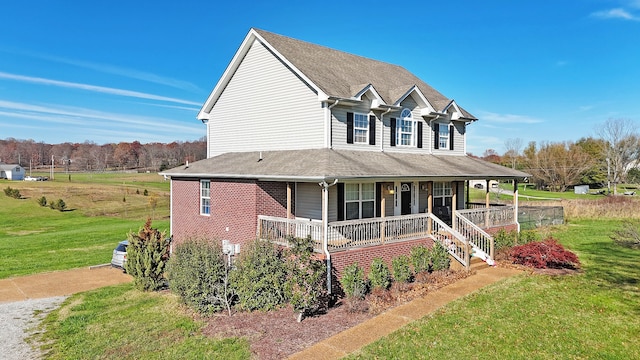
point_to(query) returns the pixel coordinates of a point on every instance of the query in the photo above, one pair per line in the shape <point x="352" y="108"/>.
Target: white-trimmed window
<point x="360" y="201"/>
<point x="442" y="194"/>
<point x="360" y="128"/>
<point x="205" y="197"/>
<point x="406" y="129"/>
<point x="443" y="136"/>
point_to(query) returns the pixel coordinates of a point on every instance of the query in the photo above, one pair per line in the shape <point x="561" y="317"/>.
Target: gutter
<point x="325" y="226"/>
<point x="382" y="127"/>
<point x="328" y="141"/>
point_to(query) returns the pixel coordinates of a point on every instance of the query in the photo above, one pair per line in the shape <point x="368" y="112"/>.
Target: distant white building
<point x="11" y="172"/>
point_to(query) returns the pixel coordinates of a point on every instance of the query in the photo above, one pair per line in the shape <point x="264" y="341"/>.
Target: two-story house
<point x="359" y="154"/>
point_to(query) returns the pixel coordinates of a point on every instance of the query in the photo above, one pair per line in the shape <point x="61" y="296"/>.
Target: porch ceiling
<point x="327" y="164"/>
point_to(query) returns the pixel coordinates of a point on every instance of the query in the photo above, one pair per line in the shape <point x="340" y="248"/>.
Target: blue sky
<point x="112" y="71"/>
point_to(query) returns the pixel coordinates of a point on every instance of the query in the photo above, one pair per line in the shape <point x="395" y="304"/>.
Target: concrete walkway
<point x="59" y="283"/>
<point x="353" y="339"/>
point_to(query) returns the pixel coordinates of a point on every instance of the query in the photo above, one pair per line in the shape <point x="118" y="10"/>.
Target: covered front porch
<point x="466" y="233"/>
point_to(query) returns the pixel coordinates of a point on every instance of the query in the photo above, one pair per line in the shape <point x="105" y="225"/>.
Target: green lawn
<point x="38" y="239"/>
<point x="118" y="322"/>
<point x="590" y="315"/>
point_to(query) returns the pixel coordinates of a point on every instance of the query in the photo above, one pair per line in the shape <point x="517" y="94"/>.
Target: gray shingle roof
<point x="337" y="73"/>
<point x="328" y="164"/>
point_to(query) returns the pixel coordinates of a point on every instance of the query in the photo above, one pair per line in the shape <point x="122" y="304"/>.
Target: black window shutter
<point x="340" y="188"/>
<point x="349" y="128"/>
<point x="392" y="123"/>
<point x="372" y="129"/>
<point x="436" y="136"/>
<point x="378" y="199"/>
<point x="420" y="134"/>
<point x="451" y="131"/>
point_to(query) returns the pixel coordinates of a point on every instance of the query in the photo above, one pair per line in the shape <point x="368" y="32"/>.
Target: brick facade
<point x="235" y="206"/>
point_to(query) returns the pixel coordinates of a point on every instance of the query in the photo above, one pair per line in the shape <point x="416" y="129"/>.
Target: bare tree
<point x="559" y="165"/>
<point x="513" y="147"/>
<point x="622" y="148"/>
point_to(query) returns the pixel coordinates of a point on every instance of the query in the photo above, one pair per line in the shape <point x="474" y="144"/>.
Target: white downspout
<point x="325" y="226"/>
<point x="328" y="143"/>
<point x="382" y="129"/>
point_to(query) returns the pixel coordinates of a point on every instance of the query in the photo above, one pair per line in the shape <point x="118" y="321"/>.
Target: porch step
<point x="476" y="264"/>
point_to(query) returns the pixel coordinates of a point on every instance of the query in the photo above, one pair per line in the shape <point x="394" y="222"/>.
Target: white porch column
<point x="515" y="203"/>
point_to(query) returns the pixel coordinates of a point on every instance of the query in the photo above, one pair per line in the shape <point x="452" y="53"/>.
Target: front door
<point x="405" y="198"/>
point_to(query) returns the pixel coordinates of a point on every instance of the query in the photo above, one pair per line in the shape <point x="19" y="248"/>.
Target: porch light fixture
<point x="390" y="189"/>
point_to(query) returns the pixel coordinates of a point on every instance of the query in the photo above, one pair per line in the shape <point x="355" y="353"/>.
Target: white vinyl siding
<point x="265" y="107"/>
<point x="339" y="127"/>
<point x="309" y="201"/>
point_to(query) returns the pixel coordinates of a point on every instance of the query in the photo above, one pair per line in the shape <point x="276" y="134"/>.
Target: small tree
<point x="420" y="259"/>
<point x="305" y="285"/>
<point x="260" y="276"/>
<point x="60" y="205"/>
<point x="147" y="256"/>
<point x="439" y="258"/>
<point x="353" y="282"/>
<point x="14" y="193"/>
<point x="379" y="275"/>
<point x="42" y="201"/>
<point x="401" y="269"/>
<point x="198" y="273"/>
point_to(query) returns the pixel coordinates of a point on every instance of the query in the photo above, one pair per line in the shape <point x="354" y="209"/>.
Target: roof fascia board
<point x="426" y="104"/>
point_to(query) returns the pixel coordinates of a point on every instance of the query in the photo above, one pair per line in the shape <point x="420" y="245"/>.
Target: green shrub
<point x="306" y="285"/>
<point x="503" y="239"/>
<point x="260" y="276"/>
<point x="527" y="236"/>
<point x="147" y="256"/>
<point x="14" y="193"/>
<point x="401" y="269"/>
<point x="379" y="274"/>
<point x="420" y="259"/>
<point x="353" y="282"/>
<point x="145" y="193"/>
<point x="59" y="205"/>
<point x="439" y="258"/>
<point x="197" y="272"/>
<point x="42" y="201"/>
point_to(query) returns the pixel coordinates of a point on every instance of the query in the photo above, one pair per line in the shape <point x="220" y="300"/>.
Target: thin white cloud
<point x="508" y="118"/>
<point x="562" y="63"/>
<point x="617" y="13"/>
<point x="130" y="73"/>
<point x="94" y="88"/>
<point x="82" y="117"/>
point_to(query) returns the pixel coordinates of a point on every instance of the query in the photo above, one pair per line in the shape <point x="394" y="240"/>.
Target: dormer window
<point x="443" y="136"/>
<point x="405" y="131"/>
<point x="360" y="128"/>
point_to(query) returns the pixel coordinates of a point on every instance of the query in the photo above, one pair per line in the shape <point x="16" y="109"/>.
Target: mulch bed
<point x="277" y="334"/>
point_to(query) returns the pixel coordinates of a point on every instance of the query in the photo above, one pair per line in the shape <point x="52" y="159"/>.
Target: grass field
<point x="589" y="315"/>
<point x="37" y="239"/>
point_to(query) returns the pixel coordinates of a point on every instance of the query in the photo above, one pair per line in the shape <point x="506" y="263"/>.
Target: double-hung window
<point x="360" y="201"/>
<point x="442" y="194"/>
<point x="360" y="128"/>
<point x="205" y="197"/>
<point x="443" y="136"/>
<point x="406" y="129"/>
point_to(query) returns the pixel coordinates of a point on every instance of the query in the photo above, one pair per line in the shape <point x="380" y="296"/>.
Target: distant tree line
<point x="610" y="158"/>
<point x="89" y="156"/>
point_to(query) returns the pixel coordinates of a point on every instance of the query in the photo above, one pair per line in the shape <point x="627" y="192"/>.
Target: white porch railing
<point x="344" y="235"/>
<point x="486" y="218"/>
<point x="474" y="234"/>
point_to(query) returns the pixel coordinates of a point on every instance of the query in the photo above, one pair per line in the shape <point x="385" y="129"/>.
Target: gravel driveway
<point x="18" y="320"/>
<point x="25" y="300"/>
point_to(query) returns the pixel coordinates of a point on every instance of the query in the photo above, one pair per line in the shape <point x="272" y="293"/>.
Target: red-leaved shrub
<point x="544" y="254"/>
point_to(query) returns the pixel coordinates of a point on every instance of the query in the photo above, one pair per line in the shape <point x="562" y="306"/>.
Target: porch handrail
<point x="486" y="218"/>
<point x="474" y="234"/>
<point x="278" y="230"/>
<point x="452" y="240"/>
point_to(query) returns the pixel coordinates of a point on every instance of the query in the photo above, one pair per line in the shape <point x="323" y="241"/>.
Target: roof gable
<point x="334" y="74"/>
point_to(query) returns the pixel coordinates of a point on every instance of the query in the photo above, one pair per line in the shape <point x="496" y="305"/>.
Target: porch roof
<point x="313" y="165"/>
